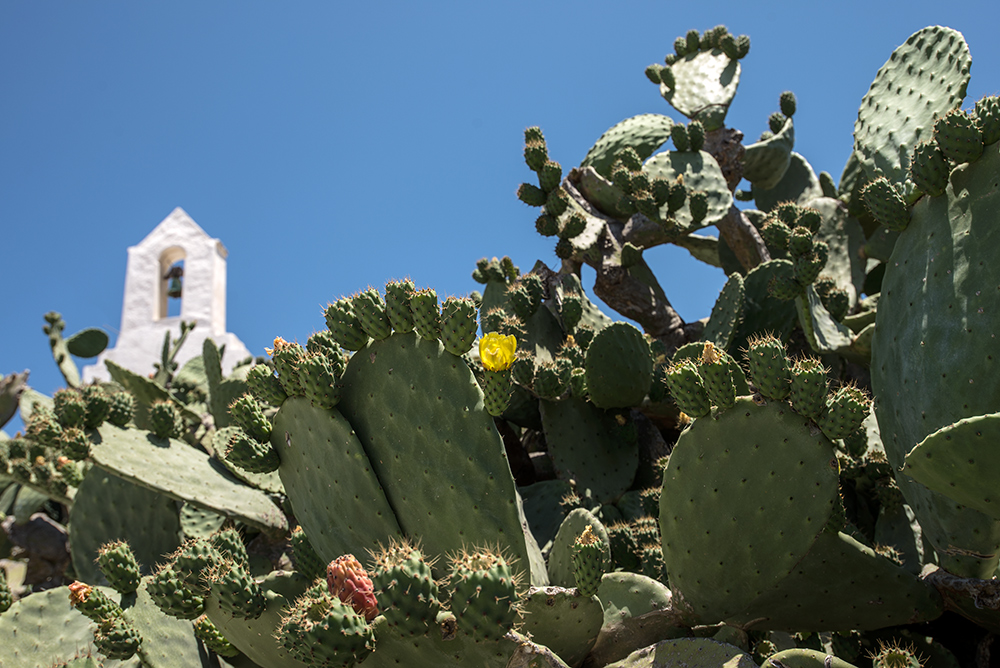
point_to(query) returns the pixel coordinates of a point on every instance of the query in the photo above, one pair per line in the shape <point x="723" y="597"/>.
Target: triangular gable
<point x="177" y="222"/>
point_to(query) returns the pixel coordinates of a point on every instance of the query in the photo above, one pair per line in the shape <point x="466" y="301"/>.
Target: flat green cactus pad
<point x="765" y="162"/>
<point x="563" y="620"/>
<point x="962" y="462"/>
<point x="838" y="568"/>
<point x="799" y="184"/>
<point x="181" y="472"/>
<point x="705" y="85"/>
<point x="625" y="595"/>
<point x="690" y="652"/>
<point x="585" y="446"/>
<point x="644" y="133"/>
<point x="419" y="415"/>
<point x="167" y="642"/>
<point x="699" y="171"/>
<point x="745" y="494"/>
<point x="936" y="325"/>
<point x="109" y="508"/>
<point x="330" y="481"/>
<point x="923" y="79"/>
<point x="804" y="658"/>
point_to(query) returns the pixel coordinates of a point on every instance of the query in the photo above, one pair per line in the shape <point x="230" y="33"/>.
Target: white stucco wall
<point x="144" y="308"/>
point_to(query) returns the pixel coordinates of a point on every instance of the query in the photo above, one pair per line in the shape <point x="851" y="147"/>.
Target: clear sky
<point x="335" y="145"/>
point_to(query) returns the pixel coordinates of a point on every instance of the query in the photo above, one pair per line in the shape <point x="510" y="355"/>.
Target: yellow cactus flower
<point x="497" y="351"/>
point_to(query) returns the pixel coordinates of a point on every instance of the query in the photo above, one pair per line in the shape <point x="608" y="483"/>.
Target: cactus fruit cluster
<point x="807" y="477"/>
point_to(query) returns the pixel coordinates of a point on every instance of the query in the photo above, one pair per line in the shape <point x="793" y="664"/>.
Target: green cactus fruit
<point x="6" y="596"/>
<point x="680" y="47"/>
<point x="458" y="325"/>
<point x="116" y="638"/>
<point x="959" y="137"/>
<point x="92" y="602"/>
<point x="122" y="409"/>
<point x="98" y="403"/>
<point x="320" y="379"/>
<point x="556" y="203"/>
<point x="895" y="655"/>
<point x="497" y="391"/>
<point x="343" y="323"/>
<point x="323" y="342"/>
<point x="190" y="563"/>
<point x="286" y="357"/>
<point x="929" y="169"/>
<point x="246" y="413"/>
<point x="520" y="300"/>
<point x="809" y="218"/>
<point x="807" y="392"/>
<point x="776" y="235"/>
<point x="75" y="444"/>
<point x="578" y="383"/>
<point x="621" y="176"/>
<point x="988" y="115"/>
<point x="370" y="310"/>
<point x="397" y="304"/>
<point x="572" y="310"/>
<point x="552" y="379"/>
<point x="523" y="369"/>
<point x="348" y="581"/>
<point x="742" y="46"/>
<point x="406" y="589"/>
<point x="230" y="546"/>
<point x="676" y="196"/>
<point x="667" y="77"/>
<point x="235" y="590"/>
<point x="304" y="556"/>
<point x="165" y="419"/>
<point x="588" y="562"/>
<point x="320" y="630"/>
<point x="693" y="41"/>
<point x="787" y="103"/>
<point x="696" y="135"/>
<point x="564" y="249"/>
<point x="119" y="566"/>
<point x="44" y="428"/>
<point x="426" y="316"/>
<point x="573" y="226"/>
<point x="483" y="593"/>
<point x="213" y="638"/>
<point x="844" y="413"/>
<point x="729" y="47"/>
<point x="639" y="181"/>
<point x="533" y="134"/>
<point x="800" y="242"/>
<point x="806" y="268"/>
<point x="688" y="389"/>
<point x="651" y="556"/>
<point x="837" y="302"/>
<point x="716" y="375"/>
<point x="70" y="407"/>
<point x="768" y="364"/>
<point x="776" y="121"/>
<point x="250" y="454"/>
<point x="550" y="176"/>
<point x="264" y="385"/>
<point x="70" y="472"/>
<point x="535" y="155"/>
<point x="547" y="225"/>
<point x="783" y="284"/>
<point x="679" y="135"/>
<point x="531" y="195"/>
<point x="788" y="213"/>
<point x="698" y="206"/>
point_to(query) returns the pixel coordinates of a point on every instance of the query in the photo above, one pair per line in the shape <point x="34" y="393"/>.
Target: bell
<point x="174" y="288"/>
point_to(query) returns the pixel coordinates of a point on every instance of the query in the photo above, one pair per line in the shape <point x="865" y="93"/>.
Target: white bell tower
<point x="152" y="284"/>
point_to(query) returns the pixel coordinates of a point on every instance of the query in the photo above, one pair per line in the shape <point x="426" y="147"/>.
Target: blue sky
<point x="331" y="145"/>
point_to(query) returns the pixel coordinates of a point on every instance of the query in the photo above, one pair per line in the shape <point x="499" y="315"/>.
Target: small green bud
<point x="787" y="103"/>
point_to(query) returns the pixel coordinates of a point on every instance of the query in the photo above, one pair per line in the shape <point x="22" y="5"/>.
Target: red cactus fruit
<point x="348" y="581"/>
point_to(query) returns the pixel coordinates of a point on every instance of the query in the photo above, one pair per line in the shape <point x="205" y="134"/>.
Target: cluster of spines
<point x="407" y="593"/>
<point x="321" y="630"/>
<point x="834" y="299"/>
<point x="693" y="42"/>
<point x="483" y="587"/>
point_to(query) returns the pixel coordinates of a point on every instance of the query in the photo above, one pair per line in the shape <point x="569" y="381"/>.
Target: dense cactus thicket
<point x="808" y="477"/>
